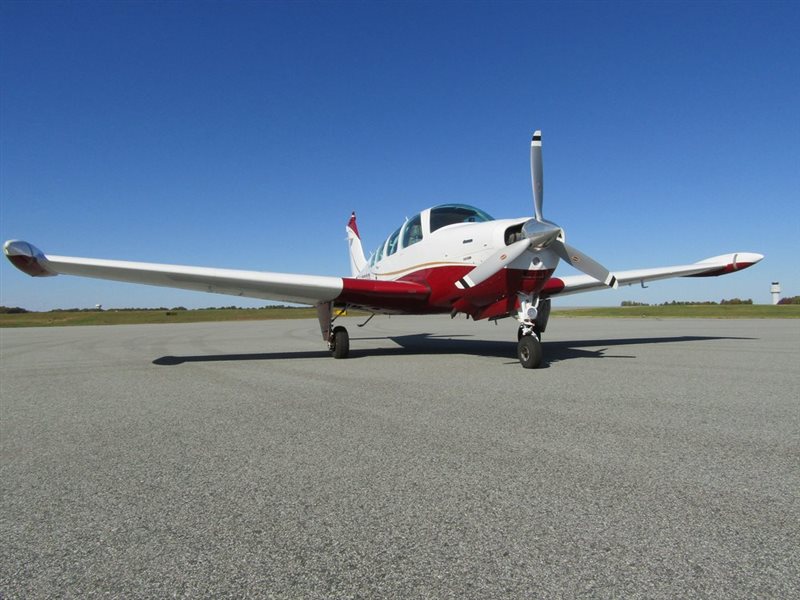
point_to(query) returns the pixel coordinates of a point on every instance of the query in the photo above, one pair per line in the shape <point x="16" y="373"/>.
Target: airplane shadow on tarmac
<point x="426" y="343"/>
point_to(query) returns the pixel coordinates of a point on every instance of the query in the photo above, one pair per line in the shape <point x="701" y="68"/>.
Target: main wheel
<point x="340" y="342"/>
<point x="529" y="352"/>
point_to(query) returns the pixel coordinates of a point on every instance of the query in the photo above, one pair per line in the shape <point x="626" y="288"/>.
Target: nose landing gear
<point x="532" y="316"/>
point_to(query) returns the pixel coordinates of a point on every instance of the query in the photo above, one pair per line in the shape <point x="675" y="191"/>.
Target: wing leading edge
<point x="283" y="287"/>
<point x="709" y="267"/>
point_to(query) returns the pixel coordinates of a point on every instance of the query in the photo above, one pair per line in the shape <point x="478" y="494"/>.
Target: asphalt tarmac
<point x="649" y="459"/>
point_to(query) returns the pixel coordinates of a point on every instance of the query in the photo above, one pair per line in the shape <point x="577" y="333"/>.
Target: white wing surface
<point x="710" y="267"/>
<point x="302" y="289"/>
<point x="392" y="296"/>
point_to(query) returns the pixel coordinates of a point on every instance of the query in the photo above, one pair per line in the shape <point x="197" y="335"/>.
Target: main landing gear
<point x="339" y="342"/>
<point x="338" y="339"/>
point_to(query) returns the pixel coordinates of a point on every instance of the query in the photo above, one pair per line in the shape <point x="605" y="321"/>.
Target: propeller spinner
<point x="538" y="233"/>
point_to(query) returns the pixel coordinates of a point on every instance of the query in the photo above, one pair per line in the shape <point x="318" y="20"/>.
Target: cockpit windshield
<point x="448" y="214"/>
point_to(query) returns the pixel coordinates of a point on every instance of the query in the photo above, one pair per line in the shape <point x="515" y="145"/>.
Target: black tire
<point x="529" y="352"/>
<point x="340" y="342"/>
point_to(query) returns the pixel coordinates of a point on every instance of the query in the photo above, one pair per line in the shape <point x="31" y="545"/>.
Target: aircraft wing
<point x="283" y="287"/>
<point x="710" y="267"/>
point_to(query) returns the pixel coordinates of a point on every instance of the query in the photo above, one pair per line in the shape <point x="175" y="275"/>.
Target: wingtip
<point x="537" y="138"/>
<point x="728" y="263"/>
<point x="751" y="257"/>
<point x="27" y="258"/>
<point x="742" y="260"/>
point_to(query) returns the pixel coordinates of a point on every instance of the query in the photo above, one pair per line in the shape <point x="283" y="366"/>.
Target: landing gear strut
<point x="534" y="332"/>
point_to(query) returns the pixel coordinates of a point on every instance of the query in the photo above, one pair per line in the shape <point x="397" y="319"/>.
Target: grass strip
<point x="139" y="317"/>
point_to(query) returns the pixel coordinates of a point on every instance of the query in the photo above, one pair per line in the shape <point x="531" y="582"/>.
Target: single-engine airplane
<point x="450" y="258"/>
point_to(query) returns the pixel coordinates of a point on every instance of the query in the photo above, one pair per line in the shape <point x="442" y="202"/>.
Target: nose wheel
<point x="529" y="351"/>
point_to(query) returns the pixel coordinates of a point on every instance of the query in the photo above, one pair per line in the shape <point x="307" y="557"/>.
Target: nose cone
<point x="540" y="233"/>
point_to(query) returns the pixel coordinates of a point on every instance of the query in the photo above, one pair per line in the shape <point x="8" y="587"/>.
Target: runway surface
<point x="650" y="459"/>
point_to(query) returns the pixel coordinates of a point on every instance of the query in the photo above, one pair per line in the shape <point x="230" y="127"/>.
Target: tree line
<point x="690" y="302"/>
<point x="13" y="310"/>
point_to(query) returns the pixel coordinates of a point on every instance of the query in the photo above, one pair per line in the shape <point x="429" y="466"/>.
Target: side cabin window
<point x="448" y="214"/>
<point x="391" y="245"/>
<point x="379" y="252"/>
<point x="412" y="232"/>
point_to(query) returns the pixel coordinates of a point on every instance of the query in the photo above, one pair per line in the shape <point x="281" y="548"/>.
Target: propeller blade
<point x="537" y="175"/>
<point x="493" y="264"/>
<point x="584" y="263"/>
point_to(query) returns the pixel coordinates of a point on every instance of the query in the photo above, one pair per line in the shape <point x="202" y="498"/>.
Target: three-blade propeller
<point x="539" y="234"/>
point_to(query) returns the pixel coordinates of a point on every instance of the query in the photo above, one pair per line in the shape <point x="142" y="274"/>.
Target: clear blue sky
<point x="242" y="134"/>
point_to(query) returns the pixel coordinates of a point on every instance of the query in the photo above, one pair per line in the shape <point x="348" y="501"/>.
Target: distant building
<point x="775" y="290"/>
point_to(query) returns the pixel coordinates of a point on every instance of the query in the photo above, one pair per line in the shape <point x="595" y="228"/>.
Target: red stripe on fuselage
<point x="383" y="295"/>
<point x="433" y="290"/>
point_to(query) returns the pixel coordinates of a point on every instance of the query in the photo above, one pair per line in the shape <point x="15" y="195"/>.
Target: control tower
<point x="775" y="290"/>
